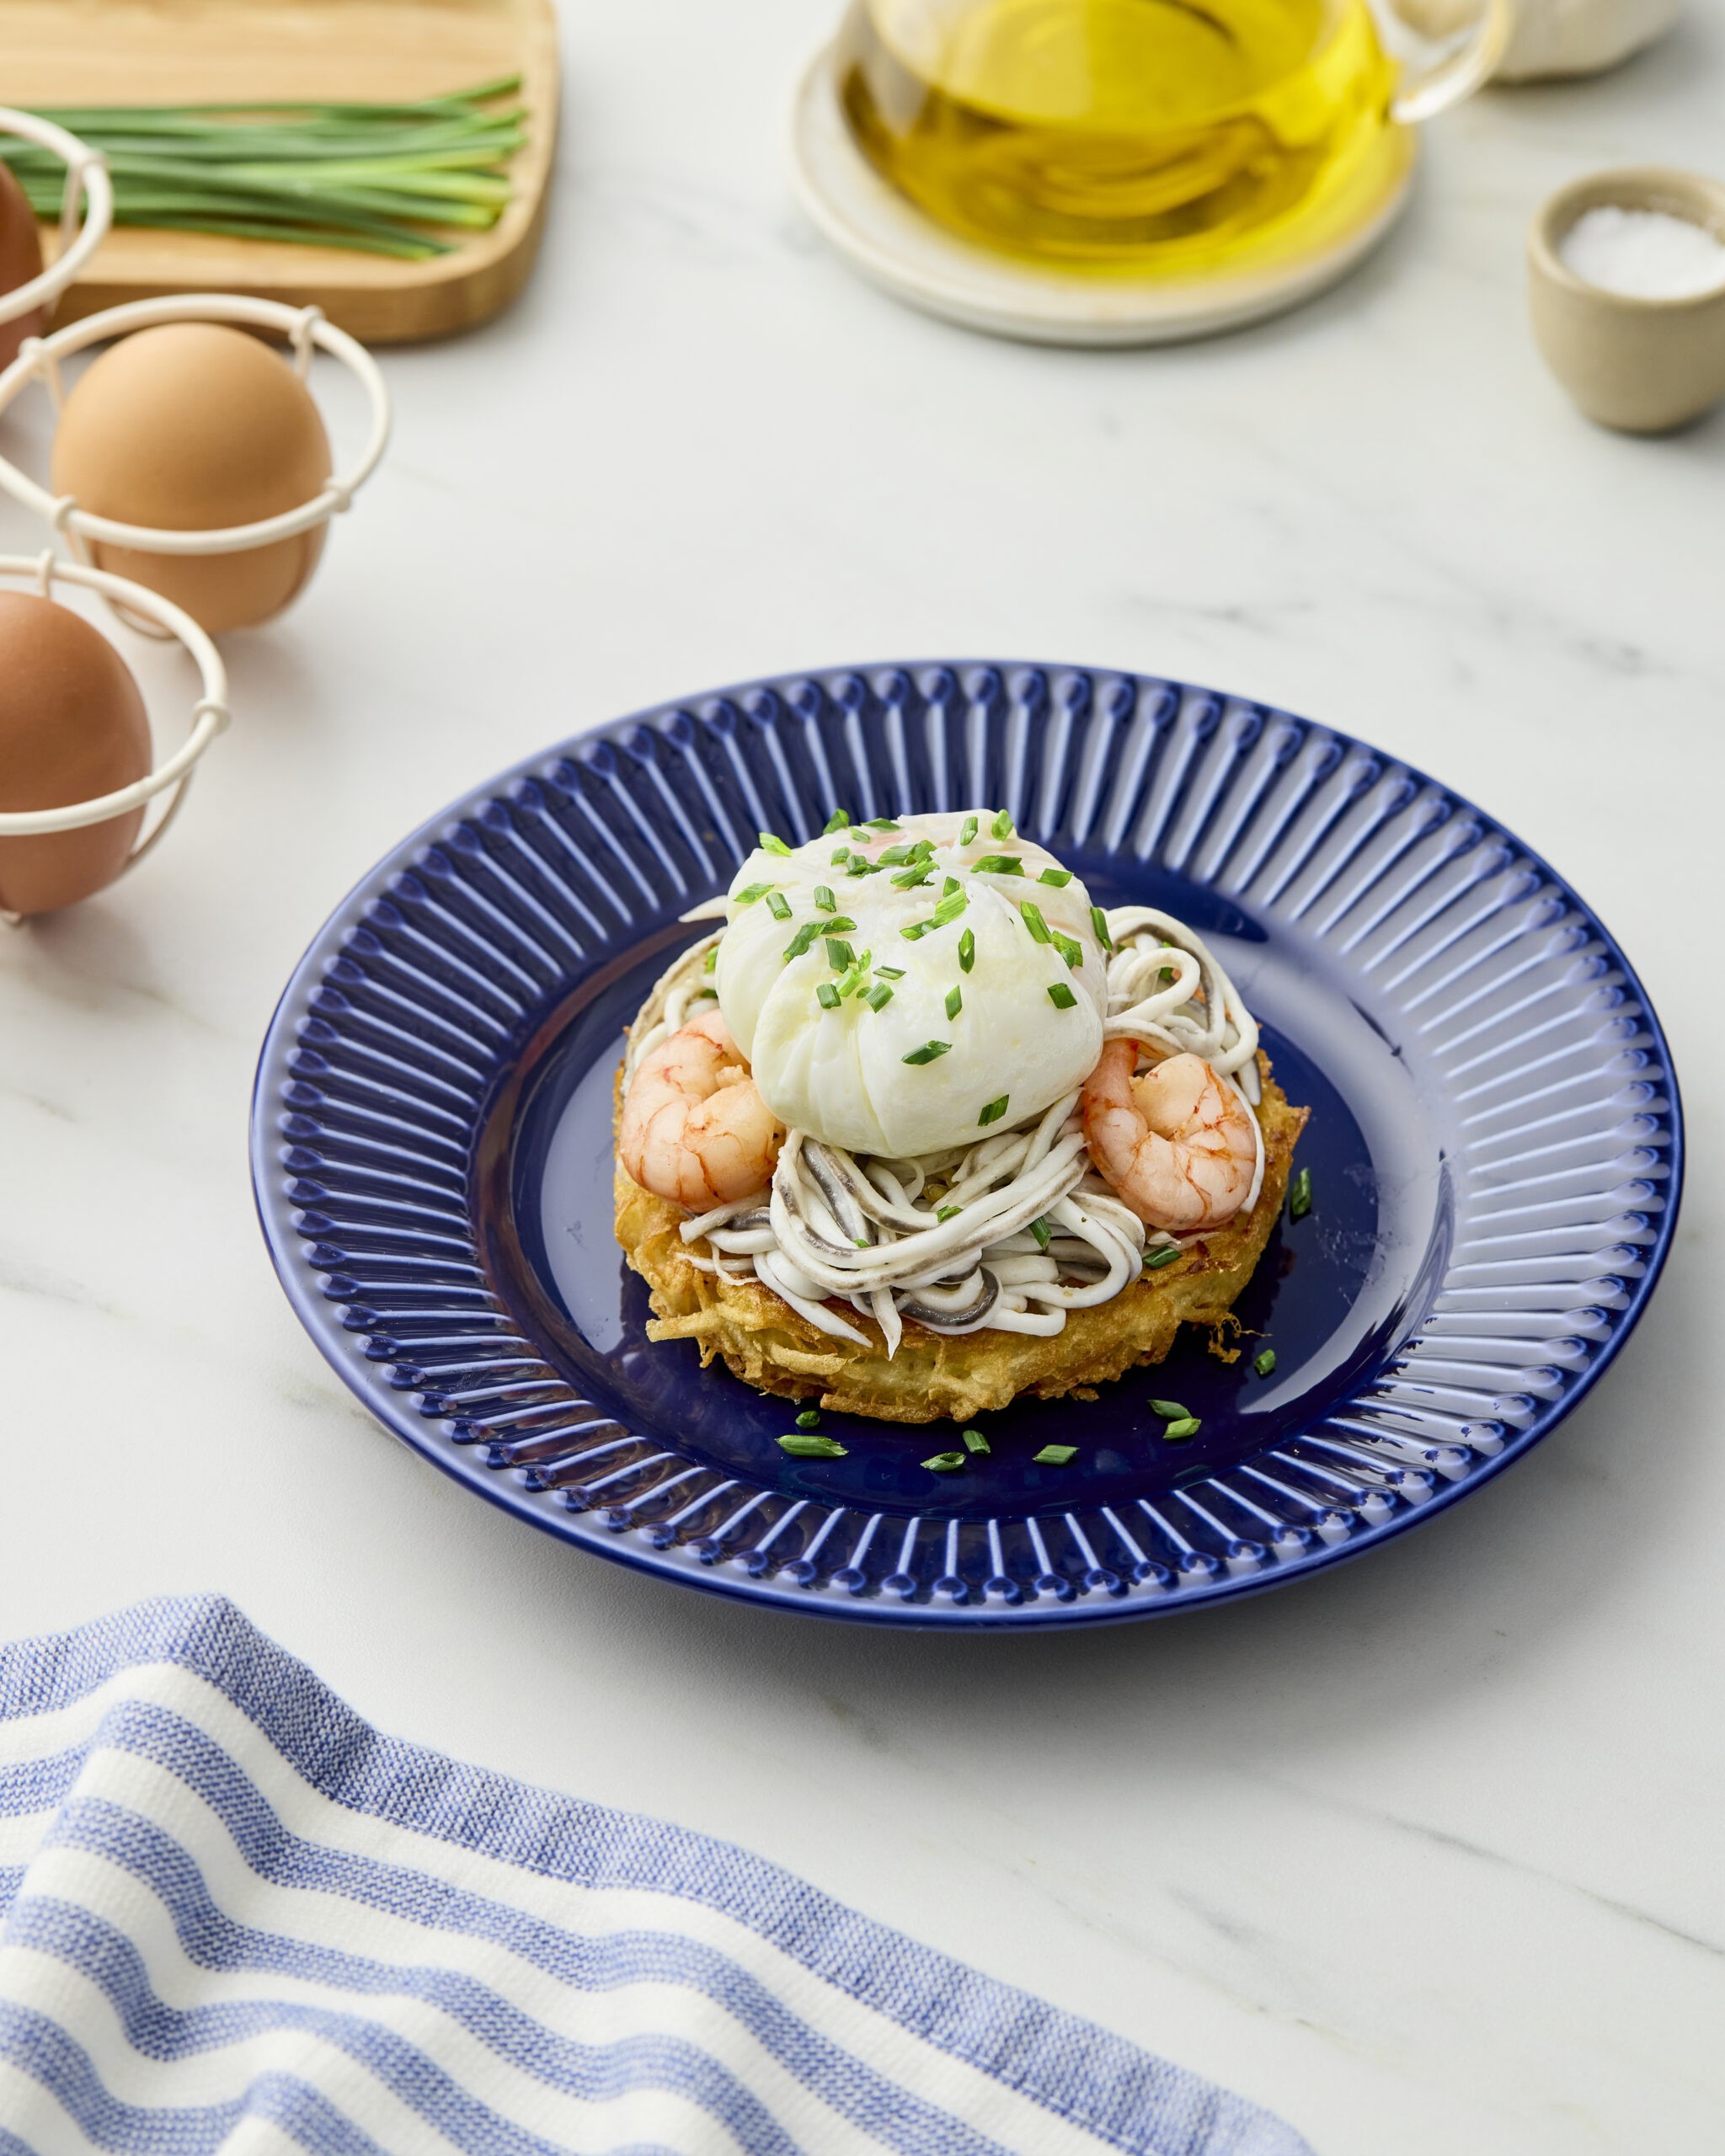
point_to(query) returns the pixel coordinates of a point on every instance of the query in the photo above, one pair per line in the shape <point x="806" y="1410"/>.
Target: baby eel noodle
<point x="1037" y="1232"/>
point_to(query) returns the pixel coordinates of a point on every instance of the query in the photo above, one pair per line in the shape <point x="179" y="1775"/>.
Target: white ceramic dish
<point x="882" y="235"/>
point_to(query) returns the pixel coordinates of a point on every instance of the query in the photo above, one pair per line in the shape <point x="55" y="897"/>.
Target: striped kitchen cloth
<point x="237" y="1918"/>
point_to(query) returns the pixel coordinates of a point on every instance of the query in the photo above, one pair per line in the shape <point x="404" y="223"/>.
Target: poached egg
<point x="899" y="987"/>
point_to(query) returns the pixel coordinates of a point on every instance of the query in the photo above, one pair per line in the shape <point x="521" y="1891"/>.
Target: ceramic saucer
<point x="883" y="235"/>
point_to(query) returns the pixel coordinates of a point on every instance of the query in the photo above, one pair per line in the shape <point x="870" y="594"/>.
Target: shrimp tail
<point x="1178" y="1144"/>
<point x="694" y="1128"/>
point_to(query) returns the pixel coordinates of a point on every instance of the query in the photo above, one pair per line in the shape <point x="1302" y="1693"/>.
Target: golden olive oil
<point x="1146" y="135"/>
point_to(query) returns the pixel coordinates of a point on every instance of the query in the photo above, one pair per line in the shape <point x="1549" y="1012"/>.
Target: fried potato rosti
<point x="936" y="1377"/>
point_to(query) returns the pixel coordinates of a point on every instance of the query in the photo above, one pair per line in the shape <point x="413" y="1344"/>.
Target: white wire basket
<point x="170" y="779"/>
<point x="306" y="331"/>
<point x="86" y="182"/>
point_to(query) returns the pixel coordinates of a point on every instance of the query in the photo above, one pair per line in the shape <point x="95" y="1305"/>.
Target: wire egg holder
<point x="147" y="611"/>
<point x="210" y="714"/>
<point x="87" y="180"/>
<point x="305" y="329"/>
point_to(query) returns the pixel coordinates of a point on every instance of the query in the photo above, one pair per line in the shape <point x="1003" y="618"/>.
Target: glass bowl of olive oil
<point x="1149" y="137"/>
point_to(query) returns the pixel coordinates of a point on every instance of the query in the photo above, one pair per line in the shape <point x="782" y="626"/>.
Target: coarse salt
<point x="1643" y="254"/>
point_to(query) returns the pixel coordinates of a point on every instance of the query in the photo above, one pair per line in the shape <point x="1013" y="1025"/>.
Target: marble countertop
<point x="1423" y="1853"/>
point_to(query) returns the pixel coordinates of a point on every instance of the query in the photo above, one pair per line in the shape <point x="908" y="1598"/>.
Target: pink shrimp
<point x="1176" y="1144"/>
<point x="694" y="1128"/>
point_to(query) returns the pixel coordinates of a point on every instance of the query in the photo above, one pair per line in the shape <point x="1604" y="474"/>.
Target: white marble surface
<point x="1424" y="1854"/>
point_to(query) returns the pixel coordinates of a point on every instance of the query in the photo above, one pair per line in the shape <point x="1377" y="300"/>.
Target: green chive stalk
<point x="392" y="179"/>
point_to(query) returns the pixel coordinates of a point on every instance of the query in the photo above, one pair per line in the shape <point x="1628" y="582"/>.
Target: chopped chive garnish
<point x="948" y="1212"/>
<point x="1039" y="1229"/>
<point x="824" y="899"/>
<point x="861" y="1242"/>
<point x="946" y="1463"/>
<point x="1073" y="953"/>
<point x="1265" y="1362"/>
<point x="1299" y="1196"/>
<point x="955" y="1001"/>
<point x="859" y="864"/>
<point x="895" y="857"/>
<point x="907" y="880"/>
<point x="967" y="952"/>
<point x="803" y="940"/>
<point x="951" y="887"/>
<point x="843" y="854"/>
<point x="839" y="954"/>
<point x="884" y="824"/>
<point x="948" y="910"/>
<point x="928" y="1051"/>
<point x="855" y="975"/>
<point x="1053" y="1456"/>
<point x="967" y="830"/>
<point x="1165" y="976"/>
<point x="1178" y="1433"/>
<point x="806" y="1445"/>
<point x="771" y="843"/>
<point x="974" y="1441"/>
<point x="778" y="905"/>
<point x="838" y="821"/>
<point x="1170" y="1411"/>
<point x="712" y="965"/>
<point x="1057" y="877"/>
<point x="1158" y="1258"/>
<point x="1061" y="997"/>
<point x="1099" y="922"/>
<point x="999" y="864"/>
<point x="810" y="1419"/>
<point x="1034" y="922"/>
<point x="916" y="931"/>
<point x="879" y="996"/>
<point x="891" y="972"/>
<point x="995" y="1110"/>
<point x="751" y="891"/>
<point x="1001" y="827"/>
<point x="826" y="995"/>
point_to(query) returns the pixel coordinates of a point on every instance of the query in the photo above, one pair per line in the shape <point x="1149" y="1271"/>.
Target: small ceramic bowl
<point x="1643" y="365"/>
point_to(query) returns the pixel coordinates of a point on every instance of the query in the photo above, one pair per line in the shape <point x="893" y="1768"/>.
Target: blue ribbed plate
<point x="1496" y="1149"/>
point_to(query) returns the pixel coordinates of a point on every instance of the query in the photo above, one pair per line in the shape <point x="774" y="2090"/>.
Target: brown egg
<point x="191" y="427"/>
<point x="73" y="727"/>
<point x="20" y="259"/>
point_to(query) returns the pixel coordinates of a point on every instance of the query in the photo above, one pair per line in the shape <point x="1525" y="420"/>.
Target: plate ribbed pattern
<point x="1544" y="1072"/>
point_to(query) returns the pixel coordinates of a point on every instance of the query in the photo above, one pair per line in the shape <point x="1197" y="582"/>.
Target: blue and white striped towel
<point x="236" y="1919"/>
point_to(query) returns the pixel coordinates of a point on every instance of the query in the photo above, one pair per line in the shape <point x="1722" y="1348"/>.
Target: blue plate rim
<point x="282" y="1239"/>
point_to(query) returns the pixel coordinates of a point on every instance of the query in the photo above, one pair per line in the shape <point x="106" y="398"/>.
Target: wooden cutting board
<point x="198" y="51"/>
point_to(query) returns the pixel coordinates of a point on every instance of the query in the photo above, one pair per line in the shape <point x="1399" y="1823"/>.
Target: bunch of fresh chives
<point x="377" y="178"/>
